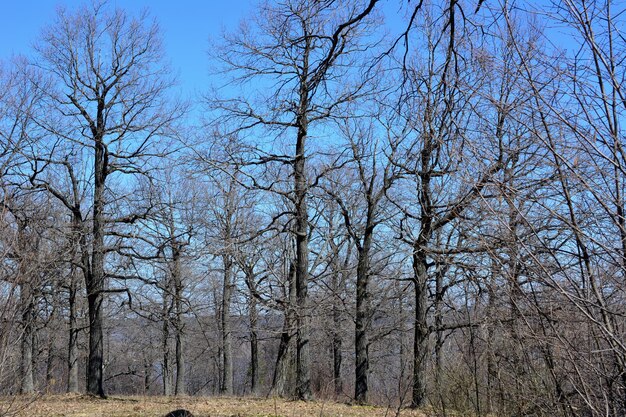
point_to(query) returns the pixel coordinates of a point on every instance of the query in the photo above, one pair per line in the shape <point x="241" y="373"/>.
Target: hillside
<point x="85" y="406"/>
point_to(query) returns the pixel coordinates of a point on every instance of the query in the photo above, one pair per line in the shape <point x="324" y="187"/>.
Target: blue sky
<point x="186" y="27"/>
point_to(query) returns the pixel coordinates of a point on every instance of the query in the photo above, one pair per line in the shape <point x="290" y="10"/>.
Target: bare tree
<point x="370" y="162"/>
<point x="226" y="213"/>
<point x="302" y="48"/>
<point x="108" y="96"/>
<point x="336" y="274"/>
<point x="449" y="96"/>
<point x="580" y="107"/>
<point x="467" y="158"/>
<point x="17" y="103"/>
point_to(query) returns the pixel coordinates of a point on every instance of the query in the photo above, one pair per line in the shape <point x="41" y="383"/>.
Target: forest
<point x="400" y="203"/>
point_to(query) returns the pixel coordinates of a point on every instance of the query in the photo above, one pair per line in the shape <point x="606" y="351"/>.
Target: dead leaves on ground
<point x="73" y="405"/>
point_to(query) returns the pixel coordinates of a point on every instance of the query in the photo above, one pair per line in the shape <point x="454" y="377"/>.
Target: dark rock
<point x="179" y="413"/>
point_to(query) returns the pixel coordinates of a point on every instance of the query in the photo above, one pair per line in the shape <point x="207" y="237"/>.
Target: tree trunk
<point x="283" y="372"/>
<point x="337" y="340"/>
<point x="282" y="381"/>
<point x="492" y="374"/>
<point x="254" y="345"/>
<point x="227" y="358"/>
<point x="361" y="340"/>
<point x="179" y="388"/>
<point x="167" y="366"/>
<point x="27" y="313"/>
<point x="82" y="247"/>
<point x="72" y="347"/>
<point x="420" y="274"/>
<point x="421" y="333"/>
<point x="303" y="356"/>
<point x="27" y="383"/>
<point x="439" y="294"/>
<point x="96" y="282"/>
<point x="50" y="382"/>
<point x="52" y="334"/>
<point x="147" y="375"/>
<point x="96" y="351"/>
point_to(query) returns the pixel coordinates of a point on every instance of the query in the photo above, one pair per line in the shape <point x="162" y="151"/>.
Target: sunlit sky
<point x="187" y="26"/>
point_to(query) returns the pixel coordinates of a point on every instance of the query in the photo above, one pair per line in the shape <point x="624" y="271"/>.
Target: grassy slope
<point x="83" y="406"/>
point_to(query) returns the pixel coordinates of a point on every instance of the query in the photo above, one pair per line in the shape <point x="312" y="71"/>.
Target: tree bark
<point x="96" y="280"/>
<point x="27" y="383"/>
<point x="72" y="346"/>
<point x="179" y="388"/>
<point x="361" y="345"/>
<point x="52" y="321"/>
<point x="147" y="375"/>
<point x="421" y="333"/>
<point x="254" y="345"/>
<point x="83" y="262"/>
<point x="439" y="296"/>
<point x="303" y="360"/>
<point x="27" y="312"/>
<point x="337" y="339"/>
<point x="227" y="355"/>
<point x="283" y="371"/>
<point x="282" y="381"/>
<point x="166" y="371"/>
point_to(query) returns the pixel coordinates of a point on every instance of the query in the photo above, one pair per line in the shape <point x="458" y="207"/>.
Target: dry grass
<point x="84" y="406"/>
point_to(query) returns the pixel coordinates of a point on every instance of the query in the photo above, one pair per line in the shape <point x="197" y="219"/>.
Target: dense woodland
<point x="406" y="203"/>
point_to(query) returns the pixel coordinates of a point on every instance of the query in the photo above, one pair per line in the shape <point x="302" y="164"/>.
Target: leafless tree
<point x="17" y="104"/>
<point x="336" y="274"/>
<point x="579" y="110"/>
<point x="108" y="94"/>
<point x="370" y="156"/>
<point x="465" y="156"/>
<point x="450" y="95"/>
<point x="304" y="49"/>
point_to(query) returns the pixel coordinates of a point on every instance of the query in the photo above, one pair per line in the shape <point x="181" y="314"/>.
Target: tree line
<point x="429" y="212"/>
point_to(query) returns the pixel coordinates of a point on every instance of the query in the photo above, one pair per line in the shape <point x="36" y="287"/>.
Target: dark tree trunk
<point x="82" y="246"/>
<point x="166" y="371"/>
<point x="282" y="381"/>
<point x="50" y="382"/>
<point x="337" y="339"/>
<point x="439" y="295"/>
<point x="27" y="383"/>
<point x="254" y="346"/>
<point x="179" y="388"/>
<point x="96" y="279"/>
<point x="303" y="359"/>
<point x="96" y="351"/>
<point x="227" y="355"/>
<point x="147" y="375"/>
<point x="52" y="334"/>
<point x="283" y="371"/>
<point x="303" y="372"/>
<point x="72" y="346"/>
<point x="420" y="273"/>
<point x="492" y="374"/>
<point x="362" y="318"/>
<point x="27" y="313"/>
<point x="421" y="332"/>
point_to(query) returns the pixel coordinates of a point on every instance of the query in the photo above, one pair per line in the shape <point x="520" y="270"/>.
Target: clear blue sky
<point x="186" y="27"/>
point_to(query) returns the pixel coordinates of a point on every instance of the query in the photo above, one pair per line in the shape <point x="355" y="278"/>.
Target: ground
<point x="84" y="406"/>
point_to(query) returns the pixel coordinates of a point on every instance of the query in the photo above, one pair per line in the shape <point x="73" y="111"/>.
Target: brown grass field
<point x="84" y="406"/>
